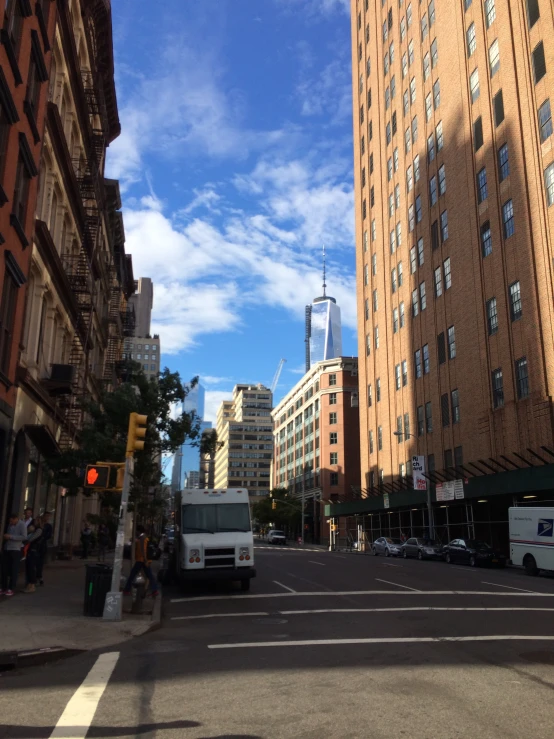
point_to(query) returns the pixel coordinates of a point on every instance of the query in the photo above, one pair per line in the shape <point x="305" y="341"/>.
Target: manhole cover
<point x="270" y="621"/>
<point x="543" y="658"/>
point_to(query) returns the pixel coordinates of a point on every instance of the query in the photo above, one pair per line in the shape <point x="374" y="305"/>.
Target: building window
<point x="539" y="63"/>
<point x="379" y="438"/>
<point x="416" y="171"/>
<point x="413" y="260"/>
<point x="378" y="389"/>
<point x="482" y="185"/>
<point x="364" y="209"/>
<point x="402" y="28"/>
<point x="412" y="91"/>
<point x="438" y="282"/>
<point x="490" y="12"/>
<point x="333" y="437"/>
<point x="474" y="85"/>
<point x="486" y="239"/>
<point x="503" y="162"/>
<point x="411" y="53"/>
<point x="419" y="211"/>
<point x="442" y="179"/>
<point x="369" y="396"/>
<point x="332" y="418"/>
<point x="13" y="24"/>
<point x="445" y="410"/>
<point x="375" y="301"/>
<point x="455" y="406"/>
<point x="444" y="225"/>
<point x="431" y="148"/>
<point x="428" y="418"/>
<point x="467" y="4"/>
<point x="397" y="197"/>
<point x="434" y="235"/>
<point x="404" y="65"/>
<point x="422" y="296"/>
<point x="402" y="315"/>
<point x="417" y="364"/>
<point x="377" y="337"/>
<point x="458" y="456"/>
<point x="447" y="274"/>
<point x="152" y="368"/>
<point x="433" y="190"/>
<point x="21" y="191"/>
<point x="415" y="303"/>
<point x="414" y="129"/>
<point x="549" y="184"/>
<point x="434" y="53"/>
<point x="404" y="373"/>
<point x="395" y="159"/>
<point x="492" y="316"/>
<point x="431" y="8"/>
<point x="7" y="314"/>
<point x="411" y="218"/>
<point x="374" y="264"/>
<point x="497" y="388"/>
<point x="366" y="304"/>
<point x="398" y="243"/>
<point x="494" y="57"/>
<point x="426" y="67"/>
<point x="471" y="40"/>
<point x="428" y="106"/>
<point x="409" y="14"/>
<point x="424" y="27"/>
<point x="533" y="12"/>
<point x="395" y="320"/>
<point x="440" y="138"/>
<point x="397" y="377"/>
<point x="393" y="280"/>
<point x="478" y="134"/>
<point x="515" y="301"/>
<point x="368" y="344"/>
<point x="451" y="343"/>
<point x="373" y="230"/>
<point x="371" y="442"/>
<point x="508" y="219"/>
<point x="498" y="104"/>
<point x="522" y="378"/>
<point x="545" y="120"/>
<point x="437" y="94"/>
<point x="332" y="398"/>
<point x="426" y="360"/>
<point x="448" y="458"/>
<point x="420" y="421"/>
<point x="334" y="458"/>
<point x="334" y="479"/>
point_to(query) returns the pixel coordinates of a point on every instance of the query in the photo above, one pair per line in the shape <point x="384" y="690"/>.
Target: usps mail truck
<point x="532" y="539"/>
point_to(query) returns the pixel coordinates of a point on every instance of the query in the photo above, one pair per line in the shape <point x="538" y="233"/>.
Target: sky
<point x="235" y="164"/>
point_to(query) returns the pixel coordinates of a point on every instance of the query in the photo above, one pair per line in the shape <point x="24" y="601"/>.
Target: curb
<point x="35" y="657"/>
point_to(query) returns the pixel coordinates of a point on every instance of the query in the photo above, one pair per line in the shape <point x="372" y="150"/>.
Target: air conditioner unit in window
<point x="60" y="380"/>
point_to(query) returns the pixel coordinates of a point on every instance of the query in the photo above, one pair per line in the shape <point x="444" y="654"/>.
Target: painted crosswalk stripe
<point x="77" y="717"/>
<point x="285" y="587"/>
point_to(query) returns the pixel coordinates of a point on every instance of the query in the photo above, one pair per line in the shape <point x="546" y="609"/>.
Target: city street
<point x="324" y="645"/>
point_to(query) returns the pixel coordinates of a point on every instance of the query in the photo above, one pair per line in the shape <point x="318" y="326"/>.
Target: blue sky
<point x="235" y="163"/>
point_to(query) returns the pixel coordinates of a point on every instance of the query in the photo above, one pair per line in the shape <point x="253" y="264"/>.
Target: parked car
<point x="276" y="537"/>
<point x="422" y="549"/>
<point x="472" y="552"/>
<point x="388" y="547"/>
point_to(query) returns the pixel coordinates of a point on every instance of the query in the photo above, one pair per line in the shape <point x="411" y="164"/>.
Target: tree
<point x="209" y="446"/>
<point x="104" y="434"/>
<point x="287" y="514"/>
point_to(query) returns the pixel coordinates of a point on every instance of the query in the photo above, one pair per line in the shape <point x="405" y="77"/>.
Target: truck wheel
<point x="530" y="565"/>
<point x="245" y="585"/>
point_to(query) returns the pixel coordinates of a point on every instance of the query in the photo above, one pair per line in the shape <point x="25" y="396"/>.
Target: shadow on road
<point x="43" y="732"/>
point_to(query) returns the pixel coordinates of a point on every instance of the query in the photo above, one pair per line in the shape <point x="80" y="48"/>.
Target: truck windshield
<point x="216" y="518"/>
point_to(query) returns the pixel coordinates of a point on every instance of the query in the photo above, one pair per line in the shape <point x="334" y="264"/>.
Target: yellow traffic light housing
<point x="273" y="505"/>
<point x="97" y="476"/>
<point x="119" y="478"/>
<point x="136" y="433"/>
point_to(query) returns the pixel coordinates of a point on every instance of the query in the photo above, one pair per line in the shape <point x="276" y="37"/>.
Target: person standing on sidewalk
<point x="103" y="542"/>
<point x="47" y="532"/>
<point x="86" y="534"/>
<point x="142" y="562"/>
<point x="34" y="531"/>
<point x="14" y="537"/>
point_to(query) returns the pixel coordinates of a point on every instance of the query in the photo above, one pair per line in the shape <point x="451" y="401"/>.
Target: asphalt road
<point x="324" y="645"/>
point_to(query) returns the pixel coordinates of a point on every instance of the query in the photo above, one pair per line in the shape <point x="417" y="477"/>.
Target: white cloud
<point x="319" y="7"/>
<point x="211" y="380"/>
<point x="214" y="398"/>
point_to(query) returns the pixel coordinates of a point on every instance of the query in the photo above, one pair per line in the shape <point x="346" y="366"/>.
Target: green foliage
<point x="104" y="435"/>
<point x="287" y="514"/>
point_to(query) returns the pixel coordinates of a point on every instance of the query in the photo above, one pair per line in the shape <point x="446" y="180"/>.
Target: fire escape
<point x="79" y="266"/>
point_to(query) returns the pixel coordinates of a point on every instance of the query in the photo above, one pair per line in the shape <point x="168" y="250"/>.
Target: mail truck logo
<point x="545" y="526"/>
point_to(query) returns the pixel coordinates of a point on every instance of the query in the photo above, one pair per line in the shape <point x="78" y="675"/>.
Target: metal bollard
<point x="138" y="592"/>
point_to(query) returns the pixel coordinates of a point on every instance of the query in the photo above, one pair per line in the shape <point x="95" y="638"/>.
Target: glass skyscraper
<point x="187" y="459"/>
<point x="325" y="330"/>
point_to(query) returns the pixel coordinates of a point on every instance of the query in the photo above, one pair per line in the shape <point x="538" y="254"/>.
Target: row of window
<point x="522" y="382"/>
<point x="516" y="310"/>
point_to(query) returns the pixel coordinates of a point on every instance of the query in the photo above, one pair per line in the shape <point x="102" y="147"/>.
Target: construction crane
<point x="277" y="375"/>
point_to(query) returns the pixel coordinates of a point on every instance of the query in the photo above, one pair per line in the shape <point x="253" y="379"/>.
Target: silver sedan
<point x="388" y="547"/>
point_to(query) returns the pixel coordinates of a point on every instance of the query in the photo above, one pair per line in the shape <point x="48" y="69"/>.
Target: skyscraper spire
<point x="324" y="284"/>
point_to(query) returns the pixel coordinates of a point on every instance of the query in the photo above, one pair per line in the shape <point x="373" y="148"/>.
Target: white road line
<point x="498" y="585"/>
<point x="286" y="587"/>
<point x="328" y="593"/>
<point x="397" y="585"/>
<point x="319" y="611"/>
<point x="225" y="615"/>
<point x="388" y="564"/>
<point x="385" y="640"/>
<point x="316" y="563"/>
<point x="77" y="717"/>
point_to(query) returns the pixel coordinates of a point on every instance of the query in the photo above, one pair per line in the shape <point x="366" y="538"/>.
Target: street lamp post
<point x="429" y="504"/>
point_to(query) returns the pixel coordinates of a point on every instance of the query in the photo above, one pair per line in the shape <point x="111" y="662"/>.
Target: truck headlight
<point x="194" y="552"/>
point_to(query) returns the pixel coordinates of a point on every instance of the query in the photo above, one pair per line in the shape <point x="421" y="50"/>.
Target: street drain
<point x="270" y="621"/>
<point x="541" y="658"/>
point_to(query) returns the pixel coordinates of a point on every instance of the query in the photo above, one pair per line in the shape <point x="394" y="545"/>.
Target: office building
<point x="454" y="188"/>
<point x="245" y="428"/>
<point x="186" y="461"/>
<point x="146" y="351"/>
<point x="316" y="432"/>
<point x="142" y="302"/>
<point x="323" y="328"/>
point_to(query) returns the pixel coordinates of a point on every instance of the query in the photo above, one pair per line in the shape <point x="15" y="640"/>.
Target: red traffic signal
<point x="97" y="476"/>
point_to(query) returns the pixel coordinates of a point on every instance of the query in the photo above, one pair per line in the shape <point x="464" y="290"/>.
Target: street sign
<point x="386" y="502"/>
<point x="418" y="472"/>
<point x="97" y="476"/>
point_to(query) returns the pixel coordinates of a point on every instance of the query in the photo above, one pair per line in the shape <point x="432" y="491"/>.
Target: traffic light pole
<point x="113" y="605"/>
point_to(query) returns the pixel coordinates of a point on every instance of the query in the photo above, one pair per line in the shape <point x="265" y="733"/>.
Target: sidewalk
<point x="53" y="615"/>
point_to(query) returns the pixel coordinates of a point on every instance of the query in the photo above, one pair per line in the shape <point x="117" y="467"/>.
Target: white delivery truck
<point x="531" y="538"/>
<point x="213" y="536"/>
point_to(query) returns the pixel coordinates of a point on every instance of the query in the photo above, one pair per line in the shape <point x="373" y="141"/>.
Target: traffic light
<point x="97" y="476"/>
<point x="136" y="433"/>
<point x="273" y="505"/>
<point x="119" y="478"/>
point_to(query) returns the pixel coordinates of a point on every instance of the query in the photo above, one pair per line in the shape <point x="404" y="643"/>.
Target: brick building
<point x="316" y="440"/>
<point x="454" y="179"/>
<point x="25" y="54"/>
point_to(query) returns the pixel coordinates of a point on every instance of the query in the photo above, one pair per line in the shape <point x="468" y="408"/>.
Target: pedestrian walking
<point x="14" y="537"/>
<point x="86" y="535"/>
<point x="47" y="532"/>
<point x="34" y="532"/>
<point x="142" y="563"/>
<point x="28" y="517"/>
<point x="103" y="542"/>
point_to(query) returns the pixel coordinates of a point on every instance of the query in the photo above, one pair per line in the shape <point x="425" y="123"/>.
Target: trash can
<point x="98" y="582"/>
